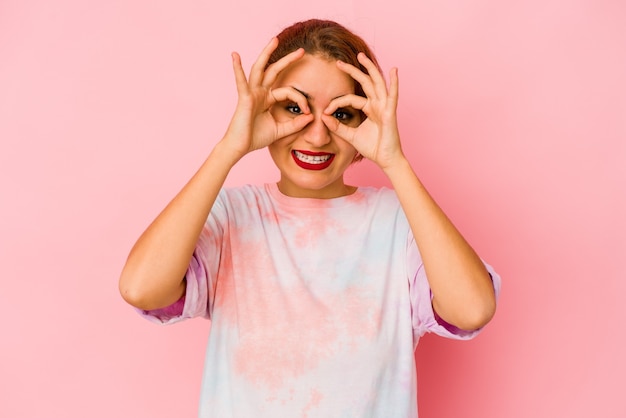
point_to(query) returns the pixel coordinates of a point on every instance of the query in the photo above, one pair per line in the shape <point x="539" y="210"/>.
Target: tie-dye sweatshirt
<point x="316" y="305"/>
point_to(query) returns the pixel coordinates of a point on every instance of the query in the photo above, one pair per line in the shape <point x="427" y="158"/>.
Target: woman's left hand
<point x="377" y="137"/>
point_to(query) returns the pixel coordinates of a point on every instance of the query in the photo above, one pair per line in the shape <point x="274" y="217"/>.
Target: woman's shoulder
<point x="380" y="195"/>
<point x="383" y="192"/>
<point x="243" y="192"/>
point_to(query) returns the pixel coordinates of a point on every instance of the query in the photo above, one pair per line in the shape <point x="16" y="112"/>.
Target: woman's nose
<point x="316" y="133"/>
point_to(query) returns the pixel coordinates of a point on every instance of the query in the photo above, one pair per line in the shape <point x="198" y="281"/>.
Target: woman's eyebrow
<point x="308" y="96"/>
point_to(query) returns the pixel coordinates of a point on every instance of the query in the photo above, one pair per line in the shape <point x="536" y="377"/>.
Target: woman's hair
<point x="324" y="38"/>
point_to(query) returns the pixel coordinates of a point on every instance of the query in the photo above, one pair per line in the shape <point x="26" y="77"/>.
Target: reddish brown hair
<point x="327" y="39"/>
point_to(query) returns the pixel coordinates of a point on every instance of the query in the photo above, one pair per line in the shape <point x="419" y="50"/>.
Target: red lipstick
<point x="312" y="160"/>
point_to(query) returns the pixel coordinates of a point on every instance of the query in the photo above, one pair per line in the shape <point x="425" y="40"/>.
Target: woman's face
<point x="313" y="160"/>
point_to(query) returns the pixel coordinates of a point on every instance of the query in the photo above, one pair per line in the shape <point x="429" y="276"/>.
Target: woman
<point x="317" y="290"/>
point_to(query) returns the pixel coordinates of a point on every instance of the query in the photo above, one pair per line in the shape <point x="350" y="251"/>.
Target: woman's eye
<point x="294" y="108"/>
<point x="343" y="115"/>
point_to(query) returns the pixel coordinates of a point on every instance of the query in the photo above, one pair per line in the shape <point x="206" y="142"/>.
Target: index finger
<point x="363" y="79"/>
<point x="374" y="73"/>
<point x="256" y="73"/>
<point x="288" y="93"/>
<point x="274" y="69"/>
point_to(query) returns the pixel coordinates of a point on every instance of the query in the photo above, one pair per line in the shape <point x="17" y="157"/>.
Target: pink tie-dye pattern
<point x="225" y="297"/>
<point x="314" y="401"/>
<point x="307" y="319"/>
<point x="313" y="226"/>
<point x="305" y="328"/>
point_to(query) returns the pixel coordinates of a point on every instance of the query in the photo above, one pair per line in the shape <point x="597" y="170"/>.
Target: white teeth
<point x="311" y="159"/>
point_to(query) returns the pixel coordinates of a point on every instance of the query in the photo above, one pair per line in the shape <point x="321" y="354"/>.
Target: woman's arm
<point x="153" y="276"/>
<point x="463" y="294"/>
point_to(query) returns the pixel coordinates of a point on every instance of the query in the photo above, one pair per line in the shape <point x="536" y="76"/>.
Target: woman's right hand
<point x="253" y="126"/>
<point x="153" y="276"/>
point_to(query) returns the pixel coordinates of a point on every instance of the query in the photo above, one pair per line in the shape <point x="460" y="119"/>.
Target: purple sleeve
<point x="193" y="303"/>
<point x="425" y="319"/>
<point x="200" y="276"/>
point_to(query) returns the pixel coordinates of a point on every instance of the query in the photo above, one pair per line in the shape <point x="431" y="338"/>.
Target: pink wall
<point x="514" y="114"/>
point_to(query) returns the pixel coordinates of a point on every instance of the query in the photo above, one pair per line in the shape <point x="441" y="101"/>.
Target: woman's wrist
<point x="226" y="153"/>
<point x="397" y="167"/>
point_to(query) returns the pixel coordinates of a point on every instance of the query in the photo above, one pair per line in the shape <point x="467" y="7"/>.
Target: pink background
<point x="513" y="113"/>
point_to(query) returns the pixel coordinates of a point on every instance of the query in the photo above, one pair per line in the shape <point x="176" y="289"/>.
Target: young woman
<point x="318" y="291"/>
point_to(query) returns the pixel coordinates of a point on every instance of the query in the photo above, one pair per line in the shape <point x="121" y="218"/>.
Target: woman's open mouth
<point x="312" y="160"/>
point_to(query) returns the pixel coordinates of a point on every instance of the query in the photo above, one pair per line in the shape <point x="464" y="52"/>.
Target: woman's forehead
<point x="316" y="78"/>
